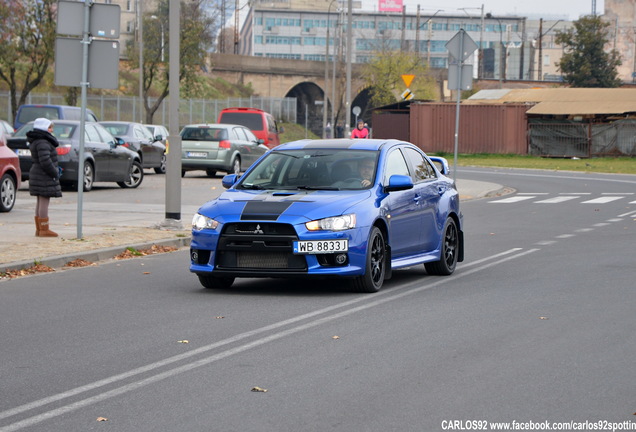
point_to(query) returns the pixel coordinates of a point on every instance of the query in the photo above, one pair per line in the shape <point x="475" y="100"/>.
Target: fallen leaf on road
<point x="544" y="318"/>
<point x="220" y="317"/>
<point x="258" y="389"/>
<point x="102" y="419"/>
<point x="146" y="272"/>
<point x="335" y="337"/>
<point x="184" y="341"/>
<point x="37" y="268"/>
<point x="79" y="263"/>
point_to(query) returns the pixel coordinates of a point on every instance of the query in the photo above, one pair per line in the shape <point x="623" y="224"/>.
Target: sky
<point x="546" y="9"/>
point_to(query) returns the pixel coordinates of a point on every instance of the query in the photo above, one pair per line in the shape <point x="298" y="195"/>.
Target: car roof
<point x="342" y="143"/>
<point x="213" y="125"/>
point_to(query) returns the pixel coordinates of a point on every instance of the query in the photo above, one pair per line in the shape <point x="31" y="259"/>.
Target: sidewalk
<point x="109" y="229"/>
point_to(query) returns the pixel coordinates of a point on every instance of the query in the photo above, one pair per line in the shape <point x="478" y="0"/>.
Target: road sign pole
<point x="459" y="95"/>
<point x="86" y="40"/>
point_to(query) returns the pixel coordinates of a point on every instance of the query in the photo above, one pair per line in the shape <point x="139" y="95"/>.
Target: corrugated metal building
<point x="556" y="122"/>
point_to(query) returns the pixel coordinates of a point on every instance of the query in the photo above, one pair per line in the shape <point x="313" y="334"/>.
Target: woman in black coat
<point x="44" y="176"/>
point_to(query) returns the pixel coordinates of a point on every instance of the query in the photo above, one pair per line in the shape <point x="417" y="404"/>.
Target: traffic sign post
<point x="460" y="47"/>
<point x="99" y="60"/>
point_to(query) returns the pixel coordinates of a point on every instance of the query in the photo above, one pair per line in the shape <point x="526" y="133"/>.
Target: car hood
<point x="276" y="205"/>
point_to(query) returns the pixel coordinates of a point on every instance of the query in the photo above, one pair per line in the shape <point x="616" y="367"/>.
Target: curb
<point x="97" y="255"/>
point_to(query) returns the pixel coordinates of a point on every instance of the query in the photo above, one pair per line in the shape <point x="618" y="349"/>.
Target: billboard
<point x="390" y="5"/>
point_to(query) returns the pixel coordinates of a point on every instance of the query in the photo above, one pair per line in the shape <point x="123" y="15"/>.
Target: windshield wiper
<point x="251" y="186"/>
<point x="317" y="188"/>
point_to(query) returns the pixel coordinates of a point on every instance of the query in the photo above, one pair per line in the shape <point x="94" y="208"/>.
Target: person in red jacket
<point x="360" y="131"/>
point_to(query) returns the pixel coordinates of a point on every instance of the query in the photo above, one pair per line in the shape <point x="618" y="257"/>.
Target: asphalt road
<point x="536" y="325"/>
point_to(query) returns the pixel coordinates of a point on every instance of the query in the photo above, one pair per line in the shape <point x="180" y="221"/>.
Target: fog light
<point x="194" y="256"/>
<point x="341" y="258"/>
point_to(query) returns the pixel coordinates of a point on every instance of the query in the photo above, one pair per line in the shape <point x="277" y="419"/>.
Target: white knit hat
<point x="42" y="124"/>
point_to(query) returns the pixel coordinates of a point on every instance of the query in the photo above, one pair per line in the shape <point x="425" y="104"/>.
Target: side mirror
<point x="441" y="164"/>
<point x="119" y="141"/>
<point x="229" y="180"/>
<point x="398" y="183"/>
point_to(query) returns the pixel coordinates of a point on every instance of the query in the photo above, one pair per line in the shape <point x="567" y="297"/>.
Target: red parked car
<point x="10" y="175"/>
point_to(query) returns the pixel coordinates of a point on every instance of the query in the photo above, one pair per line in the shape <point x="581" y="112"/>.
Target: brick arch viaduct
<point x="280" y="78"/>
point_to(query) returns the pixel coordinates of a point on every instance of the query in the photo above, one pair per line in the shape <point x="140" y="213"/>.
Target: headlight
<point x="336" y="223"/>
<point x="200" y="222"/>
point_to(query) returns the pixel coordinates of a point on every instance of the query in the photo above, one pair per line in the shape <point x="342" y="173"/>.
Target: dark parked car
<point x="105" y="158"/>
<point x="30" y="112"/>
<point x="219" y="147"/>
<point x="9" y="175"/>
<point x="137" y="137"/>
<point x="346" y="209"/>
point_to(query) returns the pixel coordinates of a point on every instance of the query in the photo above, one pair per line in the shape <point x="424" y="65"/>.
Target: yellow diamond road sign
<point x="407" y="94"/>
<point x="408" y="79"/>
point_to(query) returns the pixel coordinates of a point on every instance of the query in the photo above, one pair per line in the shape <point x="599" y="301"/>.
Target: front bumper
<point x="264" y="249"/>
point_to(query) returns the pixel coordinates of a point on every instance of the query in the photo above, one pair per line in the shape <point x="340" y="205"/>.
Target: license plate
<point x="321" y="246"/>
<point x="197" y="154"/>
<point x="24" y="152"/>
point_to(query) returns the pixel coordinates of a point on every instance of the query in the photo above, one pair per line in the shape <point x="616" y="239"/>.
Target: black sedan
<point x="138" y="138"/>
<point x="105" y="158"/>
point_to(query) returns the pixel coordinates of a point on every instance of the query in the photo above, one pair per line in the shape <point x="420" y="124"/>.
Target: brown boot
<point x="44" y="228"/>
<point x="37" y="226"/>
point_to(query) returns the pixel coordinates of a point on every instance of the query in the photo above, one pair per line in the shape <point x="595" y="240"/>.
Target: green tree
<point x="196" y="38"/>
<point x="27" y="44"/>
<point x="383" y="76"/>
<point x="585" y="62"/>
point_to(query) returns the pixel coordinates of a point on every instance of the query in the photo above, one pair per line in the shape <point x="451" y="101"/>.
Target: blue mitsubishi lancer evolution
<point x="346" y="209"/>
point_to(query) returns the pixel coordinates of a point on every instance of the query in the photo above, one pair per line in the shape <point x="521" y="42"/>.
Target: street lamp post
<point x="155" y="17"/>
<point x="502" y="69"/>
<point x="140" y="34"/>
<point x="325" y="101"/>
<point x="480" y="52"/>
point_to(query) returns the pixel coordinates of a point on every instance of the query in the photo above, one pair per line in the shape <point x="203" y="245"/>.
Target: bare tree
<point x="27" y="44"/>
<point x="195" y="39"/>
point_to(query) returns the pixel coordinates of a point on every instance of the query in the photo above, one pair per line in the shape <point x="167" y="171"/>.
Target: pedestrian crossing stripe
<point x="606" y="198"/>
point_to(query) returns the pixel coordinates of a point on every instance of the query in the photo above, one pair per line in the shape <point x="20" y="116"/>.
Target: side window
<point x="250" y="136"/>
<point x="72" y="114"/>
<point x="271" y="124"/>
<point x="91" y="133"/>
<point x="395" y="165"/>
<point x="421" y="168"/>
<point x="106" y="136"/>
<point x="240" y="133"/>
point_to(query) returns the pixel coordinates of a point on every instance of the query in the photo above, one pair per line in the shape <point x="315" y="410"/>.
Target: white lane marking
<point x="601" y="224"/>
<point x="583" y="230"/>
<point x="617" y="193"/>
<point x="545" y="242"/>
<point x="557" y="199"/>
<point x="564" y="236"/>
<point x="602" y="200"/>
<point x="385" y="296"/>
<point x="513" y="199"/>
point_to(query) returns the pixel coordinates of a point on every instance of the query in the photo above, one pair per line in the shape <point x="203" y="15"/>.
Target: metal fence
<point x="554" y="139"/>
<point x="129" y="108"/>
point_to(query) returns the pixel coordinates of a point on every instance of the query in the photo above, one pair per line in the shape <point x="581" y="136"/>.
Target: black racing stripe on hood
<point x="264" y="210"/>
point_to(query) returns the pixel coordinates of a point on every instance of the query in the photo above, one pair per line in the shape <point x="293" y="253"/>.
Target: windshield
<point x="203" y="133"/>
<point x="328" y="169"/>
<point x="60" y="131"/>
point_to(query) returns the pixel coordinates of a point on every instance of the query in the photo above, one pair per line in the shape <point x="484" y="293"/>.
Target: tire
<point x="8" y="193"/>
<point x="236" y="166"/>
<point x="450" y="250"/>
<point x="210" y="172"/>
<point x="375" y="269"/>
<point x="136" y="176"/>
<point x="161" y="169"/>
<point x="215" y="282"/>
<point x="89" y="176"/>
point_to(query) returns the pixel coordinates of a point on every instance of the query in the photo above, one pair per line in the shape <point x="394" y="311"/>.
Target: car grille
<point x="258" y="246"/>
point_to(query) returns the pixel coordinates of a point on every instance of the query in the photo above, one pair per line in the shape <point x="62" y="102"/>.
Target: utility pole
<point x="349" y="50"/>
